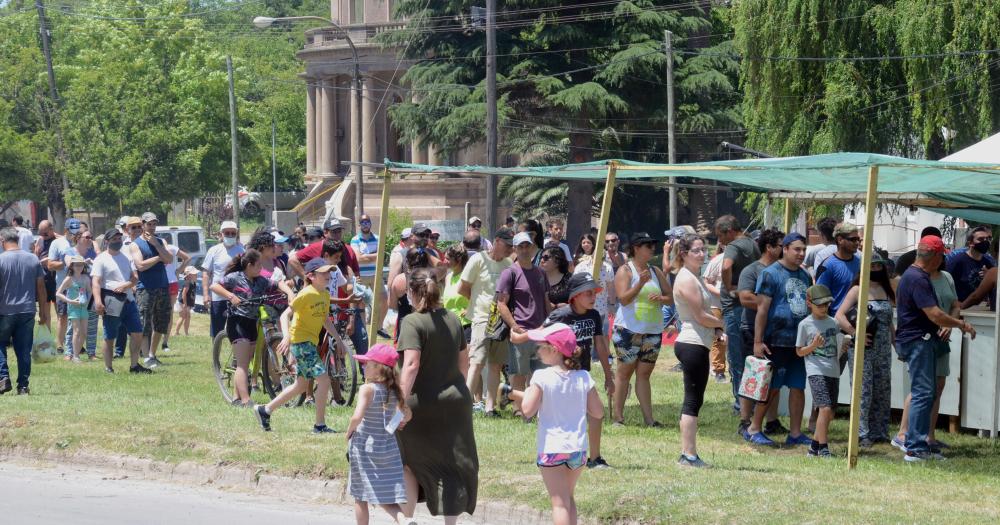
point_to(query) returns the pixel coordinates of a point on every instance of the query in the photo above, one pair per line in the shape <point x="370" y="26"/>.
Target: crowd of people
<point x="522" y="302"/>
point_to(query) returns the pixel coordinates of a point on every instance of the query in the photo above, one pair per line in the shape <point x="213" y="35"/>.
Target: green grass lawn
<point x="178" y="415"/>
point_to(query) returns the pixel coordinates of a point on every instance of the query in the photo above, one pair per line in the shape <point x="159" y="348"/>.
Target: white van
<point x="191" y="239"/>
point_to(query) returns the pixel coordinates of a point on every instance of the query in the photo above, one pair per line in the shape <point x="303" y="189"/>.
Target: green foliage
<point x="575" y="82"/>
<point x="398" y="220"/>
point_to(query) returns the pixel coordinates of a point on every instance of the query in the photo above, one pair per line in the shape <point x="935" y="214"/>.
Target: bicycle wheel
<point x="343" y="374"/>
<point x="276" y="374"/>
<point x="224" y="365"/>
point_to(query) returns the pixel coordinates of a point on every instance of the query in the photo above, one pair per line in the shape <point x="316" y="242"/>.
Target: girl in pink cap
<point x="563" y="396"/>
<point x="376" y="475"/>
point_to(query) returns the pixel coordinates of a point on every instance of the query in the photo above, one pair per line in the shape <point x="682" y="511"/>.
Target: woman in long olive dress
<point x="441" y="465"/>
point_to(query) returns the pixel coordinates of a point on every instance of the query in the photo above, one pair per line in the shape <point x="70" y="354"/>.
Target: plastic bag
<point x="389" y="323"/>
<point x="43" y="347"/>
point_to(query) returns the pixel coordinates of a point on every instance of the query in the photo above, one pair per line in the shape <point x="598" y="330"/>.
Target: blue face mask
<point x="116" y="246"/>
<point x="229" y="241"/>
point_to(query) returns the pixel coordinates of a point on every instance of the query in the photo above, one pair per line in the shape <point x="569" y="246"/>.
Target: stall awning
<point x="835" y="172"/>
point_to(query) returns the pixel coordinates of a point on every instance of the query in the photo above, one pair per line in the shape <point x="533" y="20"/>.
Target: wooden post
<point x="383" y="230"/>
<point x="862" y="324"/>
<point x="996" y="375"/>
<point x="602" y="230"/>
<point x="788" y="216"/>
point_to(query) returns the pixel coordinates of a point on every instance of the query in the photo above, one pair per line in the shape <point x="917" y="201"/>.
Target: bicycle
<point x="269" y="371"/>
<point x="340" y="365"/>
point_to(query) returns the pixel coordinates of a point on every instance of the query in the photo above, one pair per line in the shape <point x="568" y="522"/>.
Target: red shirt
<point x="315" y="249"/>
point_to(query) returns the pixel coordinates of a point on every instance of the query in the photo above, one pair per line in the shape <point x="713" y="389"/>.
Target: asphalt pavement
<point x="60" y="494"/>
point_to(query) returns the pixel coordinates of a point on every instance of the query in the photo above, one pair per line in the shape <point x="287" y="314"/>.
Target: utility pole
<point x="57" y="203"/>
<point x="234" y="140"/>
<point x="668" y="45"/>
<point x="491" y="114"/>
<point x="274" y="169"/>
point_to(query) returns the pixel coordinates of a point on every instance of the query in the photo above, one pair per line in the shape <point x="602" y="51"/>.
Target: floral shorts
<point x="631" y="347"/>
<point x="307" y="362"/>
<point x="572" y="460"/>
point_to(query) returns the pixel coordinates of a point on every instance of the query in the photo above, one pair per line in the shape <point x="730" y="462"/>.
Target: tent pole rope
<point x="383" y="231"/>
<point x="602" y="230"/>
<point x="788" y="216"/>
<point x="862" y="324"/>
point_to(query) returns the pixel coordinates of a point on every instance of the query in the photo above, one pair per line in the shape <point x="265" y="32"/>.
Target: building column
<point x="368" y="120"/>
<point x="433" y="155"/>
<point x="418" y="154"/>
<point x="311" y="127"/>
<point x="330" y="126"/>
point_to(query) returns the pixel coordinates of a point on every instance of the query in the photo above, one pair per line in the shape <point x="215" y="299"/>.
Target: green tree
<point x="576" y="82"/>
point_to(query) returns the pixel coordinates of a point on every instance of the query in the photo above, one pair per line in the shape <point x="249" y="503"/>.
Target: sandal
<point x="655" y="424"/>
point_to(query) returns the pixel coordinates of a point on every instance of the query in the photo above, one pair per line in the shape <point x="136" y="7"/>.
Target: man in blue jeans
<point x="919" y="321"/>
<point x="22" y="284"/>
<point x="740" y="252"/>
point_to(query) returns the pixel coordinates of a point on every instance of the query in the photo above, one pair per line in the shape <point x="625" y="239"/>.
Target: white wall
<point x="897" y="229"/>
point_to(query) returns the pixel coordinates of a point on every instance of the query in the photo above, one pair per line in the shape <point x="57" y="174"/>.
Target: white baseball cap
<point x="521" y="238"/>
<point x="228" y="225"/>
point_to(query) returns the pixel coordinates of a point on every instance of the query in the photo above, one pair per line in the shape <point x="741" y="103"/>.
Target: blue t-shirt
<point x="787" y="290"/>
<point x="838" y="275"/>
<point x="968" y="272"/>
<point x="367" y="246"/>
<point x="914" y="293"/>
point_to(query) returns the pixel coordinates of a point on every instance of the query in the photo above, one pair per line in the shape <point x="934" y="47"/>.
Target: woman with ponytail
<point x="243" y="281"/>
<point x="438" y="447"/>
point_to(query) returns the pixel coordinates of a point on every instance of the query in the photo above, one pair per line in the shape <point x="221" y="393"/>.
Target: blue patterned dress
<point x="376" y="467"/>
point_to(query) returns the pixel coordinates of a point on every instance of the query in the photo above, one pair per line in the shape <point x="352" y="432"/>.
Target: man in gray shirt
<point x="740" y="252"/>
<point x="22" y="285"/>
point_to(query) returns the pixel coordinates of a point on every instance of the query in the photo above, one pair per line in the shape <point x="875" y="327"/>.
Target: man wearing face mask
<point x="216" y="261"/>
<point x="969" y="267"/>
<point x="150" y="257"/>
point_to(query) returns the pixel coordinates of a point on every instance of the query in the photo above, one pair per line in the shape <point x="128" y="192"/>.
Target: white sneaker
<point x="152" y="362"/>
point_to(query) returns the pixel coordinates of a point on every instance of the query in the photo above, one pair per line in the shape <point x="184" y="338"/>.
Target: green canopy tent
<point x="858" y="173"/>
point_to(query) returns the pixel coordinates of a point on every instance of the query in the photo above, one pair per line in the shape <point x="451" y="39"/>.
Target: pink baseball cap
<point x="380" y="353"/>
<point x="558" y="335"/>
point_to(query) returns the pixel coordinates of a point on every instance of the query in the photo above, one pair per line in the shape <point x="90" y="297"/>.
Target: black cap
<point x="504" y="234"/>
<point x="641" y="238"/>
<point x="111" y="233"/>
<point x="581" y="282"/>
<point x="420" y="228"/>
<point x="332" y="224"/>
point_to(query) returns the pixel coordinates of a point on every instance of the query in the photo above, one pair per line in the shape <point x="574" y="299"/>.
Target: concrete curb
<point x="257" y="481"/>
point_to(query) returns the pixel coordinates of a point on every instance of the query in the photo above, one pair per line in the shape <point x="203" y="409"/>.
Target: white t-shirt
<point x="337" y="280"/>
<point x="113" y="270"/>
<point x="25" y="239"/>
<point x="810" y="261"/>
<point x="606" y="279"/>
<point x="172" y="267"/>
<point x="216" y="261"/>
<point x="713" y="276"/>
<point x="562" y="418"/>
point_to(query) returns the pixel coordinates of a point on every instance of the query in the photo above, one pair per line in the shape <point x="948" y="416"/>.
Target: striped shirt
<point x="365" y="247"/>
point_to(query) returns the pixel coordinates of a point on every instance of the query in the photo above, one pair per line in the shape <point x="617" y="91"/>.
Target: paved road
<point x="61" y="494"/>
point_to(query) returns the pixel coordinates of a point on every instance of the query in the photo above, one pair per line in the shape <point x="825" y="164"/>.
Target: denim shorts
<point x="307" y="361"/>
<point x="572" y="460"/>
<point x="789" y="368"/>
<point x="631" y="347"/>
<point x="129" y="318"/>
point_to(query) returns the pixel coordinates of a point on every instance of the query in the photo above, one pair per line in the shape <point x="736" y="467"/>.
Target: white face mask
<point x="229" y="241"/>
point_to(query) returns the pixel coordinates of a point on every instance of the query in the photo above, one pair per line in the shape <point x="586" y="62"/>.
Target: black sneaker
<point x="109" y="370"/>
<point x="866" y="443"/>
<point x="321" y="429"/>
<point x="492" y="414"/>
<point x="263" y="417"/>
<point x="4" y="385"/>
<point x="165" y="348"/>
<point x="503" y="395"/>
<point x="696" y="462"/>
<point x="775" y="427"/>
<point x="139" y="369"/>
<point x="23" y="391"/>
<point x="597" y="463"/>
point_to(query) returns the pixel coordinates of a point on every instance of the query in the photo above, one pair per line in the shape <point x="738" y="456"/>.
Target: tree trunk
<point x="53" y="185"/>
<point x="580" y="194"/>
<point x="704" y="208"/>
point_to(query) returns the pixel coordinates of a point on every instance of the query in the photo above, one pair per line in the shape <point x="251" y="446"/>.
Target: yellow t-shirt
<point x="311" y="307"/>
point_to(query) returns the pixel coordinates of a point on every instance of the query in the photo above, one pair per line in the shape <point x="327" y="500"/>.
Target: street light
<point x="264" y="22"/>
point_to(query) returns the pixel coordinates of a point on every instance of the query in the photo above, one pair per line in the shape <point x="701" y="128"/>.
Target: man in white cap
<point x="476" y="225"/>
<point x="215" y="263"/>
<point x="523" y="304"/>
<point x="398" y="251"/>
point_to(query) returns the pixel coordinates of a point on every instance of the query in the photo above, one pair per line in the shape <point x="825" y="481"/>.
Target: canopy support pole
<point x="767" y="213"/>
<point x="996" y="372"/>
<point x="862" y="324"/>
<point x="602" y="230"/>
<point x="383" y="231"/>
<point x="788" y="217"/>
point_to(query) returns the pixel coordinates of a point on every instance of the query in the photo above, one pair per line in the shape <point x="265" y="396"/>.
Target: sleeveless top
<point x="641" y="316"/>
<point x="691" y="331"/>
<point x="154" y="277"/>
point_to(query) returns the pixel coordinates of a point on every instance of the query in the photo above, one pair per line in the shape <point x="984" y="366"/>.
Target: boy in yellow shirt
<point x="301" y="323"/>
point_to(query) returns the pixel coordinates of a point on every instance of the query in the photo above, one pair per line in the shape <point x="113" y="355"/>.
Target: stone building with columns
<point x="332" y="110"/>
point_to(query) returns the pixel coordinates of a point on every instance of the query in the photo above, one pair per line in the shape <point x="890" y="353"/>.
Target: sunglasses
<point x="86" y="237"/>
<point x="609" y="241"/>
<point x="366" y="223"/>
<point x="854" y="239"/>
<point x="135" y="227"/>
<point x="545" y="257"/>
<point x="435" y="237"/>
